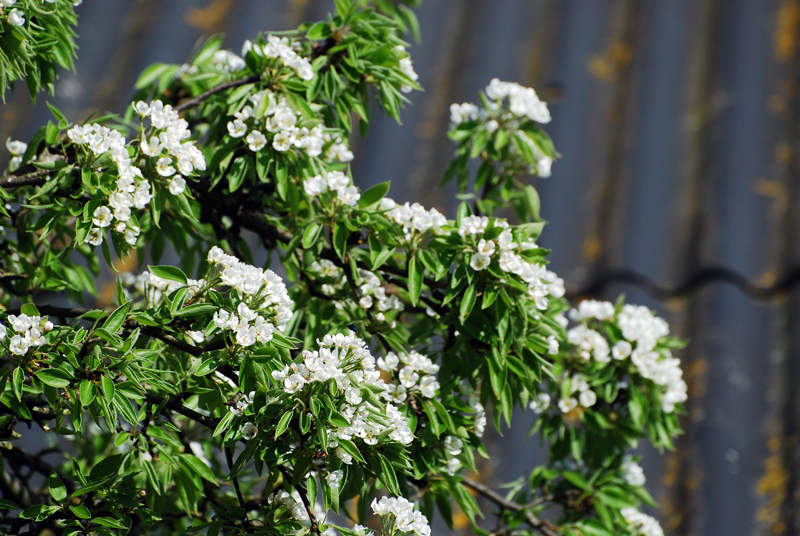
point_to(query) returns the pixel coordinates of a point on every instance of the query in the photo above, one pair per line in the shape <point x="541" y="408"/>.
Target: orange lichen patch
<point x="126" y="264"/>
<point x="696" y="377"/>
<point x="775" y="190"/>
<point x="675" y="305"/>
<point x="592" y="247"/>
<point x="777" y="103"/>
<point x="670" y="514"/>
<point x="787" y="24"/>
<point x="611" y="63"/>
<point x="768" y="278"/>
<point x="209" y="18"/>
<point x="775" y="486"/>
<point x="672" y="470"/>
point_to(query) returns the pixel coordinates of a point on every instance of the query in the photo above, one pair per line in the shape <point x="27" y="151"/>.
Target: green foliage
<point x="213" y="396"/>
<point x="34" y="49"/>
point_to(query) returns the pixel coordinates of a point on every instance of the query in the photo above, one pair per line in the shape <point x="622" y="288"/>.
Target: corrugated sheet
<point x="678" y="122"/>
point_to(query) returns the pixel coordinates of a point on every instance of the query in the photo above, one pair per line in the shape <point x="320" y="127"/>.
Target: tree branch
<point x="37" y="178"/>
<point x="216" y="89"/>
<point x="543" y="526"/>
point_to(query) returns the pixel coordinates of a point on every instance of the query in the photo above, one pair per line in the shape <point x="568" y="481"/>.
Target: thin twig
<point x="216" y="89"/>
<point x="541" y="525"/>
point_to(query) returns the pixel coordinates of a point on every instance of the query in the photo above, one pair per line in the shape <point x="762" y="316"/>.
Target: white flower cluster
<point x="294" y="505"/>
<point x="265" y="300"/>
<point x="172" y="138"/>
<point x="374" y="295"/>
<point x="130" y="192"/>
<point x="590" y="343"/>
<point x="17" y="150"/>
<point x="408" y="69"/>
<point x="480" y="415"/>
<point x="466" y="111"/>
<point x="601" y="310"/>
<point x="523" y="103"/>
<point x="418" y="375"/>
<point x="281" y="47"/>
<point x="244" y="402"/>
<point x="453" y="447"/>
<point x="346" y="360"/>
<point x="335" y="181"/>
<point x="406" y="519"/>
<point x="334" y="478"/>
<point x="541" y="281"/>
<point x="155" y="288"/>
<point x="282" y="120"/>
<point x="633" y="473"/>
<point x="28" y="332"/>
<point x="644" y="524"/>
<point x="414" y="218"/>
<point x="578" y="386"/>
<point x="641" y="327"/>
<point x="227" y="61"/>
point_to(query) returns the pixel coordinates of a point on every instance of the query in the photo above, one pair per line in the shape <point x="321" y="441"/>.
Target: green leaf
<point x="311" y="234"/>
<point x="577" y="479"/>
<point x="5" y="504"/>
<point x="105" y="468"/>
<point x="467" y="302"/>
<point x="169" y="272"/>
<point x="18" y="381"/>
<point x="196" y="309"/>
<point x="414" y="281"/>
<point x="373" y="195"/>
<point x="320" y="30"/>
<point x="107" y="385"/>
<point x="81" y="512"/>
<point x="283" y="424"/>
<point x="54" y="377"/>
<point x="193" y="463"/>
<point x="340" y="234"/>
<point x="388" y="476"/>
<point x="57" y="488"/>
<point x="115" y="321"/>
<point x="88" y="391"/>
<point x="38" y="512"/>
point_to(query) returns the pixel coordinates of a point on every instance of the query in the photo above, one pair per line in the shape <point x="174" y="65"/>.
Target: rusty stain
<point x="777" y="103"/>
<point x="592" y="247"/>
<point x="209" y="18"/>
<point x="675" y="305"/>
<point x="787" y="26"/>
<point x="774" y="485"/>
<point x="672" y="470"/>
<point x="122" y="265"/>
<point x="774" y="189"/>
<point x="608" y="66"/>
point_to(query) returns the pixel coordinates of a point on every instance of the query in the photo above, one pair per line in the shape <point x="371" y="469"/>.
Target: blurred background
<point x="679" y="126"/>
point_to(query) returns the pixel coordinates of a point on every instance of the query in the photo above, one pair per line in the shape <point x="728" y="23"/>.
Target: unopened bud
<point x="142" y="493"/>
<point x="47" y="327"/>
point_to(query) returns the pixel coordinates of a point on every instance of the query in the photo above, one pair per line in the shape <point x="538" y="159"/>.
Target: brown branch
<point x="216" y="89"/>
<point x="36" y="178"/>
<point x="177" y="407"/>
<point x="541" y="525"/>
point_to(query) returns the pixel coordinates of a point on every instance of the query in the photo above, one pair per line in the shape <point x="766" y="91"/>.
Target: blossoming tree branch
<point x="349" y="394"/>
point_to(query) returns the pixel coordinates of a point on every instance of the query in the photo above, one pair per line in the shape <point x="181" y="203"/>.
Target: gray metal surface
<point x="678" y="123"/>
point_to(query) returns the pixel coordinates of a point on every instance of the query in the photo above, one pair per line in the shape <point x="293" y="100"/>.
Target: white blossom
<point x="16" y="17"/>
<point x="177" y="185"/>
<point x="256" y="140"/>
